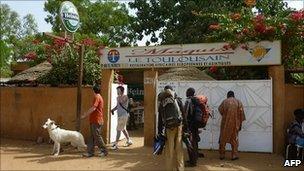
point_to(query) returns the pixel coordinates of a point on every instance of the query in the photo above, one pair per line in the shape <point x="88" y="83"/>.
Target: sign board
<point x="197" y="55"/>
<point x="137" y="90"/>
<point x="69" y="16"/>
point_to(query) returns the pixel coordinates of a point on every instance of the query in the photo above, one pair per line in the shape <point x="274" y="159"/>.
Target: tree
<point x="64" y="59"/>
<point x="13" y="35"/>
<point x="197" y="21"/>
<point x="10" y="23"/>
<point x="174" y="19"/>
<point x="9" y="30"/>
<point x="4" y="62"/>
<point x="275" y="22"/>
<point x="29" y="25"/>
<point x="109" y="20"/>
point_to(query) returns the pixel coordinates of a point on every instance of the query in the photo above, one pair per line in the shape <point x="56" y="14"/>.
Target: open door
<point x="113" y="123"/>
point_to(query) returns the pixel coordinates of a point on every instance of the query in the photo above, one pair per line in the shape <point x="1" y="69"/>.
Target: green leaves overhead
<point x="108" y="20"/>
<point x="174" y="19"/>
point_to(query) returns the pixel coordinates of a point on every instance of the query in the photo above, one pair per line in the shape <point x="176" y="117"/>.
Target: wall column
<point x="106" y="86"/>
<point x="150" y="79"/>
<point x="278" y="82"/>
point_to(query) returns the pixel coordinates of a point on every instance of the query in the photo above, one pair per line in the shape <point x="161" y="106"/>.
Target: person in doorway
<point x="233" y="115"/>
<point x="194" y="132"/>
<point x="95" y="114"/>
<point x="295" y="132"/>
<point x="170" y="125"/>
<point x="122" y="117"/>
<point x="131" y="106"/>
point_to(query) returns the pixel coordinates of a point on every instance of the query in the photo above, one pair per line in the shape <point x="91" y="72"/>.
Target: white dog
<point x="61" y="135"/>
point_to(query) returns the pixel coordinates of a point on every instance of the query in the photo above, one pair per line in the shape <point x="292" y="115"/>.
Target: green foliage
<point x="238" y="72"/>
<point x="29" y="25"/>
<point x="92" y="68"/>
<point x="196" y="21"/>
<point x="64" y="57"/>
<point x="12" y="34"/>
<point x="10" y="23"/>
<point x="22" y="46"/>
<point x="174" y="19"/>
<point x="277" y="23"/>
<point x="107" y="20"/>
<point x="272" y="22"/>
<point x="4" y="60"/>
<point x="298" y="78"/>
<point x="65" y="67"/>
<point x="10" y="26"/>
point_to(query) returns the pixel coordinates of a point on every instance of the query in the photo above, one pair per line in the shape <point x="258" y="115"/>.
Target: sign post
<point x="70" y="20"/>
<point x="69" y="16"/>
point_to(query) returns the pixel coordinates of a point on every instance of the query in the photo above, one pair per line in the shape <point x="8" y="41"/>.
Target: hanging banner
<point x="196" y="55"/>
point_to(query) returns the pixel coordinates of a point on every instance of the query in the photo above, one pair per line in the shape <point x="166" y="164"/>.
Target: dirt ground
<point x="28" y="155"/>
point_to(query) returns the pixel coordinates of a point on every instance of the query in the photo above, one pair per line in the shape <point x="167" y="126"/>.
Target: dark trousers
<point x="193" y="153"/>
<point x="96" y="139"/>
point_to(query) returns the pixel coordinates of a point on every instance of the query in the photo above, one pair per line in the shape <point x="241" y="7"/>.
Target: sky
<point x="35" y="7"/>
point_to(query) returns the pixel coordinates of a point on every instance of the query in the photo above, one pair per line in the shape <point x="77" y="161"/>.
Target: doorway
<point x="132" y="81"/>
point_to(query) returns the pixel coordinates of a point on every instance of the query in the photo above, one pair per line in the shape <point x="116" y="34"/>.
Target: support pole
<point x="150" y="79"/>
<point x="106" y="87"/>
<point x="277" y="74"/>
<point x="80" y="73"/>
<point x="79" y="91"/>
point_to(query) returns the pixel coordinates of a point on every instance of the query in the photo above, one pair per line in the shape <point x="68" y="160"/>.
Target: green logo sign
<point x="69" y="16"/>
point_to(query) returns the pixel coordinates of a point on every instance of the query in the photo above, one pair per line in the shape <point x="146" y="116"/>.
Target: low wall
<point x="24" y="110"/>
<point x="294" y="95"/>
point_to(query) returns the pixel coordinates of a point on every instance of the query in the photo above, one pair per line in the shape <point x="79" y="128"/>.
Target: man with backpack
<point x="197" y="114"/>
<point x="233" y="115"/>
<point x="170" y="125"/>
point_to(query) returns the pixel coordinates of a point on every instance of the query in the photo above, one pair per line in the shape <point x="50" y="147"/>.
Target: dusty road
<point x="27" y="155"/>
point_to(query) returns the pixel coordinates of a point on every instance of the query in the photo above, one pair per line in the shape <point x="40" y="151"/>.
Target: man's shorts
<point x="122" y="123"/>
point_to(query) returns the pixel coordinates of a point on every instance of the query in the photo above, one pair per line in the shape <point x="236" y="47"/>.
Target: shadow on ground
<point x="27" y="155"/>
